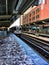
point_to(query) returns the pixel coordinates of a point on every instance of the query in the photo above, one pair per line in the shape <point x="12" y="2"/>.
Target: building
<point x="38" y="15"/>
<point x="24" y="17"/>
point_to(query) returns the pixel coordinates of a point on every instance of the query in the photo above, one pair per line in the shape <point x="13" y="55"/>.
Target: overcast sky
<point x="16" y="23"/>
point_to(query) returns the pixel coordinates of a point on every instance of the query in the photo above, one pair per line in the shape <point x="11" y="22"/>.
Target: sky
<point x="16" y="23"/>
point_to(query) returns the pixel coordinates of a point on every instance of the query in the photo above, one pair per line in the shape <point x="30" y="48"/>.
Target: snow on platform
<point x="14" y="51"/>
<point x="36" y="58"/>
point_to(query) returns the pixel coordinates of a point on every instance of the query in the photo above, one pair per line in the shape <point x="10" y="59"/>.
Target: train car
<point x="18" y="30"/>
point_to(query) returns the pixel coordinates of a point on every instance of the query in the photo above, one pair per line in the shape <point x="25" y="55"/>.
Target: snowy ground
<point x="11" y="53"/>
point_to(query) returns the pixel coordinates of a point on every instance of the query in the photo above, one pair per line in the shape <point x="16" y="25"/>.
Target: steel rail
<point x="37" y="45"/>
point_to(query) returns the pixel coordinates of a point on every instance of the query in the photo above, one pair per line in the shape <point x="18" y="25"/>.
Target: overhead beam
<point x="6" y="6"/>
<point x="5" y="24"/>
<point x="28" y="4"/>
<point x="19" y="4"/>
<point x="5" y="16"/>
<point x="15" y="12"/>
<point x="5" y="21"/>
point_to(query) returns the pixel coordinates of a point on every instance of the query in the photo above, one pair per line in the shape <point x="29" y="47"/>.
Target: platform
<point x="13" y="51"/>
<point x="36" y="58"/>
<point x="38" y="37"/>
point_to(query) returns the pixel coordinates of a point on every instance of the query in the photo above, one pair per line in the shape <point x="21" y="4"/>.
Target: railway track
<point x="39" y="45"/>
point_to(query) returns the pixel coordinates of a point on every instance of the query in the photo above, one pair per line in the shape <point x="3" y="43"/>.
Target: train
<point x="15" y="30"/>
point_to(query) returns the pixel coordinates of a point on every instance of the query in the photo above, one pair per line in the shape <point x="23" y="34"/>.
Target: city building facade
<point x="38" y="14"/>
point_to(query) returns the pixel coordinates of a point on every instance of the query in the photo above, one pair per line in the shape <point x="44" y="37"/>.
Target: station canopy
<point x="12" y="9"/>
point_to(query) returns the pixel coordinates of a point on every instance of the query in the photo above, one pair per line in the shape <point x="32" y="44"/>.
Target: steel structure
<point x="10" y="8"/>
